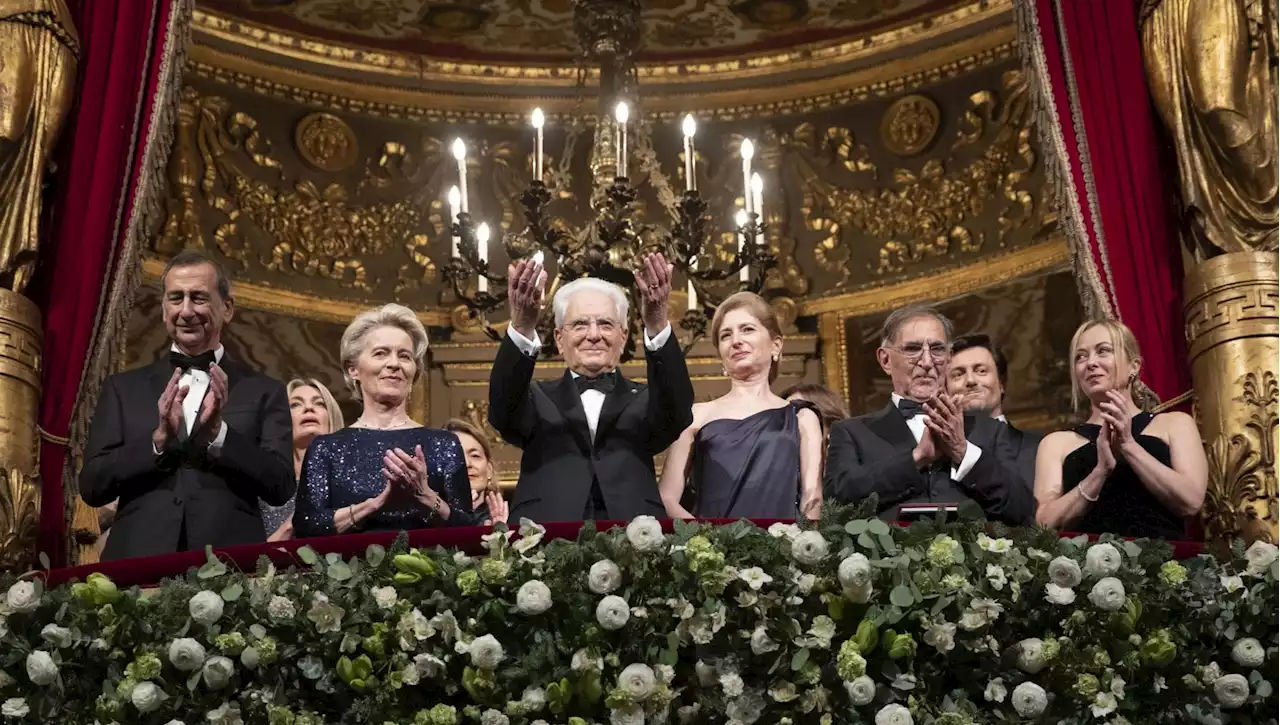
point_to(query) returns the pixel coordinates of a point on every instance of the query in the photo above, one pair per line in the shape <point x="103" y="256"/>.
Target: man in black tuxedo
<point x="589" y="438"/>
<point x="922" y="448"/>
<point x="979" y="374"/>
<point x="189" y="469"/>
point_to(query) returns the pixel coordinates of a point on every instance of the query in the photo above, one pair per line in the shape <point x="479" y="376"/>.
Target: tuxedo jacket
<point x="214" y="497"/>
<point x="1020" y="448"/>
<point x="560" y="461"/>
<point x="872" y="454"/>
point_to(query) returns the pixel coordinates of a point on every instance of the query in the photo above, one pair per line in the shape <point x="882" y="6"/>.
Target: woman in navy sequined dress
<point x="384" y="472"/>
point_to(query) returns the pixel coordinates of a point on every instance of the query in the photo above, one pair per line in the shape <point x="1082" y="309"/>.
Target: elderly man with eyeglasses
<point x="922" y="451"/>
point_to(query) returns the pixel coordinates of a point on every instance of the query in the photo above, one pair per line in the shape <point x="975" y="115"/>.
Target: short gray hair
<point x="389" y="315"/>
<point x="197" y="258"/>
<point x="901" y="316"/>
<point x="561" y="302"/>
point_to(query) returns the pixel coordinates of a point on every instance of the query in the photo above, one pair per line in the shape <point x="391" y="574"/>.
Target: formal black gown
<point x="1125" y="506"/>
<point x="749" y="467"/>
<point x="345" y="468"/>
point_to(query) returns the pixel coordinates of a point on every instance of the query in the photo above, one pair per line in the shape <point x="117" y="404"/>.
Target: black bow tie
<point x="910" y="408"/>
<point x="604" y="383"/>
<point x="188" y="362"/>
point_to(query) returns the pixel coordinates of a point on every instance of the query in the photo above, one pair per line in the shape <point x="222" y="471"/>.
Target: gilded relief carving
<point x="326" y="142"/>
<point x="910" y="124"/>
<point x="476" y="412"/>
<point x="19" y="520"/>
<point x="1241" y="500"/>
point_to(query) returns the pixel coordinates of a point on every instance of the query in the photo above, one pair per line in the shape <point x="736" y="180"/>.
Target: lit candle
<point x="740" y="219"/>
<point x="690" y="166"/>
<point x="538" y="256"/>
<point x="693" y="293"/>
<point x="747" y="150"/>
<point x="455" y="206"/>
<point x="757" y="201"/>
<point x="620" y="114"/>
<point x="482" y="241"/>
<point x="538" y="120"/>
<point x="460" y="153"/>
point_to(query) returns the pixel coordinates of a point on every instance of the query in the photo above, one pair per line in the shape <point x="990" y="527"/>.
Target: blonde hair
<point x="757" y="307"/>
<point x="330" y="403"/>
<point x="389" y="315"/>
<point x="458" y="425"/>
<point x="1127" y="352"/>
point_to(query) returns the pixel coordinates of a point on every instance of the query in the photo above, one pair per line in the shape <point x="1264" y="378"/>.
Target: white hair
<point x="389" y="315"/>
<point x="561" y="302"/>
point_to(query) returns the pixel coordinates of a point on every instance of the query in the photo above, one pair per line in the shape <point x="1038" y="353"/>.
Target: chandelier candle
<point x="747" y="150"/>
<point x="538" y="121"/>
<point x="620" y="114"/>
<point x="757" y="204"/>
<point x="690" y="166"/>
<point x="455" y="206"/>
<point x="482" y="241"/>
<point x="460" y="153"/>
<point x="740" y="219"/>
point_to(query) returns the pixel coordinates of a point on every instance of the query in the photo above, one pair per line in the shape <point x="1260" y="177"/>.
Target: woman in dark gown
<point x="753" y="454"/>
<point x="384" y="471"/>
<point x="1125" y="471"/>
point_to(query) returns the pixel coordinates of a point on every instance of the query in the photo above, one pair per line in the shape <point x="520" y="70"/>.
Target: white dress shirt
<point x="1001" y="418"/>
<point x="592" y="400"/>
<point x="971" y="454"/>
<point x="197" y="383"/>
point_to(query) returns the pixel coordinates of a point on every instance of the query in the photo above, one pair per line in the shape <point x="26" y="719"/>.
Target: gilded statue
<point x="38" y="51"/>
<point x="1211" y="65"/>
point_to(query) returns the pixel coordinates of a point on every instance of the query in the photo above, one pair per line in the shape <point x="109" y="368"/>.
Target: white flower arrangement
<point x="186" y="654"/>
<point x="613" y="612"/>
<point x="645" y="533"/>
<point x="1029" y="699"/>
<point x="534" y="597"/>
<point x="1108" y="594"/>
<point x="41" y="669"/>
<point x="604" y="577"/>
<point x="1102" y="560"/>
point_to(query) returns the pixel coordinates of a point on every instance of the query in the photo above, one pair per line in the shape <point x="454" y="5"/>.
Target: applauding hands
<point x="944" y="434"/>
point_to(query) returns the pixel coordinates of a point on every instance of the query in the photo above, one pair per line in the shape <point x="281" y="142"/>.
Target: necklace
<point x="362" y="423"/>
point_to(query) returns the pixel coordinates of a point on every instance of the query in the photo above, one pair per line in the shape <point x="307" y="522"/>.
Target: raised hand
<point x="209" y="420"/>
<point x="170" y="410"/>
<point x="945" y="419"/>
<point x="653" y="278"/>
<point x="526" y="282"/>
<point x="498" y="508"/>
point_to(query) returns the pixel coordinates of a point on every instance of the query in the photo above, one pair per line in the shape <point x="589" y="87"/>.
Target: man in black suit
<point x="979" y="374"/>
<point x="589" y="438"/>
<point x="189" y="469"/>
<point x="922" y="448"/>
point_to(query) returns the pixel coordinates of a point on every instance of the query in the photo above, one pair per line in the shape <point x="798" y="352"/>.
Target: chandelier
<point x="614" y="240"/>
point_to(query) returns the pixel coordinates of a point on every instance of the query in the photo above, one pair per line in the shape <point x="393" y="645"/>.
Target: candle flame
<point x="757" y="184"/>
<point x="690" y="126"/>
<point x="459" y="149"/>
<point x="621" y="112"/>
<point x="538" y="256"/>
<point x="538" y="118"/>
<point x="482" y="233"/>
<point x="740" y="218"/>
<point x="454" y="197"/>
<point x="748" y="149"/>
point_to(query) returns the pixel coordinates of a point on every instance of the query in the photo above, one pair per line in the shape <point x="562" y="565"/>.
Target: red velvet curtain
<point x="123" y="50"/>
<point x="1094" y="91"/>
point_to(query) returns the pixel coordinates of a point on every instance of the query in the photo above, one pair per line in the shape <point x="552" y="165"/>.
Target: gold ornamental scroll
<point x="38" y="51"/>
<point x="1234" y="339"/>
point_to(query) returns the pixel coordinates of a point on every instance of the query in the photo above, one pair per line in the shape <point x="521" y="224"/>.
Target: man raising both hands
<point x="189" y="469"/>
<point x="922" y="448"/>
<point x="589" y="436"/>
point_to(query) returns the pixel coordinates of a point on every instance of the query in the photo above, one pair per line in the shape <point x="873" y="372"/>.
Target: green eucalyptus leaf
<point x="212" y="570"/>
<point x="308" y="556"/>
<point x="799" y="659"/>
<point x="866" y="542"/>
<point x="877" y="527"/>
<point x="375" y="555"/>
<point x="856" y="527"/>
<point x="232" y="592"/>
<point x="901" y="596"/>
<point x="339" y="571"/>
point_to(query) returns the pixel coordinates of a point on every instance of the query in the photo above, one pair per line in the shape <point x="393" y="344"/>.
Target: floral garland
<point x="851" y="621"/>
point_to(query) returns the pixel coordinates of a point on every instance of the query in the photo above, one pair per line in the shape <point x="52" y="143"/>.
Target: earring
<point x="776" y="357"/>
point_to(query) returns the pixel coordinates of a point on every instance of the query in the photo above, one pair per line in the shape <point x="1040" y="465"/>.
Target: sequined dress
<point x="345" y="468"/>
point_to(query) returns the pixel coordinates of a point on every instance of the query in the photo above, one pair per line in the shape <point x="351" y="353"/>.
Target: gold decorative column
<point x="38" y="50"/>
<point x="1234" y="339"/>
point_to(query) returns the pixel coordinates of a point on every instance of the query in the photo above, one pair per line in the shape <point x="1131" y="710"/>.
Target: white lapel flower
<point x="186" y="654"/>
<point x="894" y="715"/>
<point x="486" y="652"/>
<point x="638" y="681"/>
<point x="1231" y="690"/>
<point x="1055" y="594"/>
<point x="1102" y="560"/>
<point x="996" y="691"/>
<point x="41" y="669"/>
<point x="23" y="597"/>
<point x="1065" y="572"/>
<point x="1261" y="555"/>
<point x="809" y="548"/>
<point x="604" y="577"/>
<point x="1029" y="699"/>
<point x="147" y="697"/>
<point x="1107" y="594"/>
<point x="533" y="597"/>
<point x="754" y="577"/>
<point x="861" y="690"/>
<point x="645" y="533"/>
<point x="613" y="612"/>
<point x="205" y="608"/>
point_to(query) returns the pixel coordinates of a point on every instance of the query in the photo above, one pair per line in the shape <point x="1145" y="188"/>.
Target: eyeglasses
<point x="913" y="351"/>
<point x="581" y="327"/>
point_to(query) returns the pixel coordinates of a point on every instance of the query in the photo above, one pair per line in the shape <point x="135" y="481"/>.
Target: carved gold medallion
<point x="326" y="142"/>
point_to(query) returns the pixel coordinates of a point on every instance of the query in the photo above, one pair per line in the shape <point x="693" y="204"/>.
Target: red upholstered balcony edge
<point x="150" y="570"/>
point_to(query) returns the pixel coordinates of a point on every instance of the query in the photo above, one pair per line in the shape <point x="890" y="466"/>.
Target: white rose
<point x="1261" y="556"/>
<point x="1029" y="699"/>
<point x="760" y="642"/>
<point x="645" y="533"/>
<point x="14" y="708"/>
<point x="613" y="612"/>
<point x="584" y="661"/>
<point x="1031" y="655"/>
<point x="731" y="683"/>
<point x="1232" y="584"/>
<point x="1231" y="690"/>
<point x="604" y="577"/>
<point x="41" y="669"/>
<point x="533" y="699"/>
<point x="1055" y="594"/>
<point x="56" y="636"/>
<point x="630" y="715"/>
<point x="1107" y="594"/>
<point x="980" y="613"/>
<point x="854" y="571"/>
<point x="146" y="696"/>
<point x="862" y="690"/>
<point x="1248" y="652"/>
<point x="1102" y="560"/>
<point x="894" y="715"/>
<point x="205" y="608"/>
<point x="859" y="594"/>
<point x="1065" y="572"/>
<point x="281" y="608"/>
<point x="385" y="597"/>
<point x="217" y="672"/>
<point x="533" y="597"/>
<point x="637" y="680"/>
<point x="996" y="576"/>
<point x="23" y="597"/>
<point x="666" y="673"/>
<point x="428" y="665"/>
<point x="486" y="652"/>
<point x="941" y="636"/>
<point x="493" y="717"/>
<point x="809" y="548"/>
<point x="784" y="531"/>
<point x="186" y="654"/>
<point x="996" y="691"/>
